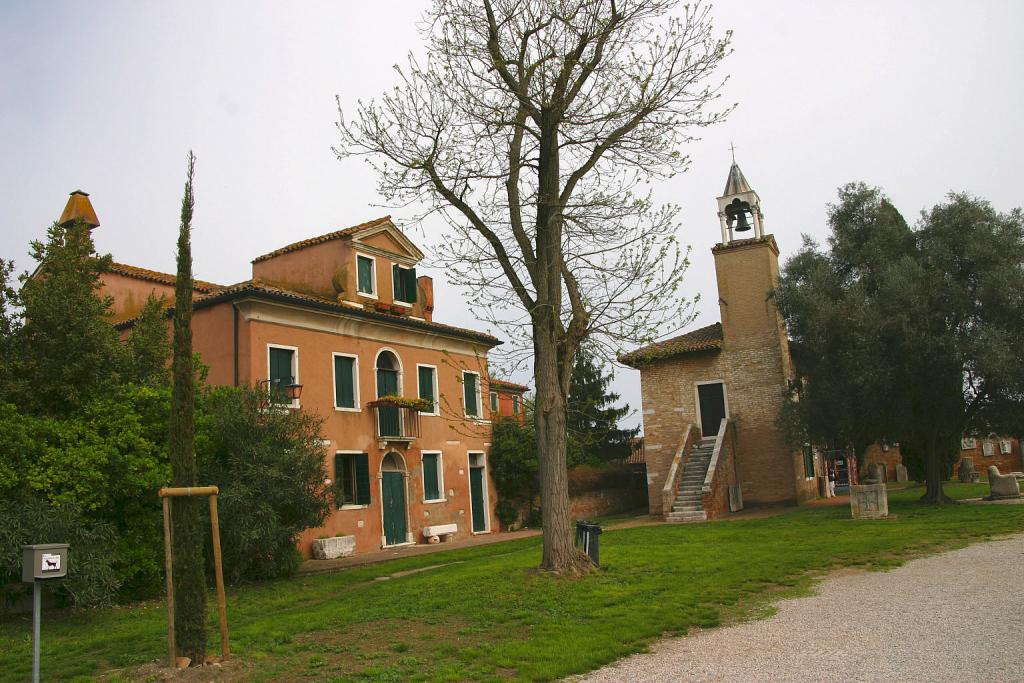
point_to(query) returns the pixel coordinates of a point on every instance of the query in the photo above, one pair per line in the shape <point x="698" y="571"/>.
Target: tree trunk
<point x="559" y="555"/>
<point x="933" y="477"/>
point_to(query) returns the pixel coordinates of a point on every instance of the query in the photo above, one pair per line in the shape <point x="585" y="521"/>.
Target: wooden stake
<point x="222" y="608"/>
<point x="171" y="648"/>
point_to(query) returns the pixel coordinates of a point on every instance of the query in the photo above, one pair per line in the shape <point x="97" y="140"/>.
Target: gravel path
<point x="950" y="617"/>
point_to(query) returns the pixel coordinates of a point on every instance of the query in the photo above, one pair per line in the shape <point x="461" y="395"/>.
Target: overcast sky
<point x="919" y="98"/>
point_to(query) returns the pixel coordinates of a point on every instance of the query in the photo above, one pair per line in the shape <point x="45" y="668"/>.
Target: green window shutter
<point x="409" y="274"/>
<point x="364" y="266"/>
<point x="494" y="401"/>
<point x="515" y="405"/>
<point x="469" y="393"/>
<point x="339" y="473"/>
<point x="427" y="392"/>
<point x="280" y="373"/>
<point x="344" y="382"/>
<point x="362" y="479"/>
<point x="431" y="480"/>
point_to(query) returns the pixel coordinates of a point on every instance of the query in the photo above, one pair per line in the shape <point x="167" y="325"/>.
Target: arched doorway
<point x="388" y="384"/>
<point x="392" y="490"/>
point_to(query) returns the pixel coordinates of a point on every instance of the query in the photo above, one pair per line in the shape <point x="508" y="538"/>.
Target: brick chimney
<point x="426" y="287"/>
<point x="79" y="208"/>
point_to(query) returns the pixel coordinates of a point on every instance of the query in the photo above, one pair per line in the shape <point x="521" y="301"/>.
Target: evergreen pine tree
<point x="67" y="352"/>
<point x="188" y="530"/>
<point x="593" y="421"/>
<point x="148" y="345"/>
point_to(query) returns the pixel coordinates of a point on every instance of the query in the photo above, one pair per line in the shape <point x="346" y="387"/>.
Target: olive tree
<point x="531" y="127"/>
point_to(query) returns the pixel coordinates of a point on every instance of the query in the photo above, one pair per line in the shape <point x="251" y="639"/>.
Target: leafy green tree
<point x="149" y="348"/>
<point x="593" y="419"/>
<point x="269" y="465"/>
<point x="67" y="351"/>
<point x="188" y="523"/>
<point x="514" y="467"/>
<point x="909" y="335"/>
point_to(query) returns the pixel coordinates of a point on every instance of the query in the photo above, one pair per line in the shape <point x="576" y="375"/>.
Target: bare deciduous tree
<point x="531" y="127"/>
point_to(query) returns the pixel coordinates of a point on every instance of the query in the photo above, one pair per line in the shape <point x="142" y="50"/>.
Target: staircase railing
<point x="721" y="471"/>
<point x="675" y="470"/>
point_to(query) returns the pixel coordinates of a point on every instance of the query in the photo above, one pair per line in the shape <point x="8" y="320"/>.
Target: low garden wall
<point x="595" y="492"/>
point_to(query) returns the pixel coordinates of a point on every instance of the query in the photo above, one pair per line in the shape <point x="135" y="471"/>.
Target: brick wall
<point x="754" y="364"/>
<point x="1006" y="462"/>
<point x="890" y="458"/>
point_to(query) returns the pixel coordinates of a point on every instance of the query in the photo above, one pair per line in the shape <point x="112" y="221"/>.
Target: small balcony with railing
<point x="398" y="418"/>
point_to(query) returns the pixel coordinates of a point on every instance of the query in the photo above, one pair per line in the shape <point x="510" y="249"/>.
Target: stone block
<point x="869" y="501"/>
<point x="1002" y="485"/>
<point x="331" y="548"/>
<point x="901" y="473"/>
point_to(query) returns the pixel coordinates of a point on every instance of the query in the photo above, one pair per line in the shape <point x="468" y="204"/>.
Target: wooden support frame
<point x="222" y="611"/>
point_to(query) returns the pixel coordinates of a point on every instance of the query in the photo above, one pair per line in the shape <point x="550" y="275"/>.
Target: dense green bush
<point x="269" y="464"/>
<point x="92" y="578"/>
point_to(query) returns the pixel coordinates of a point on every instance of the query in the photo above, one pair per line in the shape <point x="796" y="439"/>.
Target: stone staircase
<point x="687" y="506"/>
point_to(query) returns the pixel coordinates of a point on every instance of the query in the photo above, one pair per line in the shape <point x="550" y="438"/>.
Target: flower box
<point x="336" y="546"/>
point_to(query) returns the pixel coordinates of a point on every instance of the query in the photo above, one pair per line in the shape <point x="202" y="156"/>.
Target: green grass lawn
<point x="486" y="616"/>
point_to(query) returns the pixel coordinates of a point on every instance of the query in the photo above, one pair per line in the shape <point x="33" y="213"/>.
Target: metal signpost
<point x="40" y="563"/>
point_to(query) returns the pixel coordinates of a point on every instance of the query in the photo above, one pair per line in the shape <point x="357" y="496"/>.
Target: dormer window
<point x="404" y="282"/>
<point x="366" y="275"/>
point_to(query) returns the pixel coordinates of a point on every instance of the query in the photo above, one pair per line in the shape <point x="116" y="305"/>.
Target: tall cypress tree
<point x="188" y="541"/>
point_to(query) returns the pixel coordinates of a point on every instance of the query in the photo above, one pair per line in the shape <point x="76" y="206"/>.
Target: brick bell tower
<point x="755" y="346"/>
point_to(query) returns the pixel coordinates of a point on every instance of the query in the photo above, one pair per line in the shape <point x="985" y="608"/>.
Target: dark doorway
<point x="478" y="491"/>
<point x="712" y="407"/>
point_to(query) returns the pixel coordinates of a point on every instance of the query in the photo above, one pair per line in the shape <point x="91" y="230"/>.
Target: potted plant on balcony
<point x="420" y="405"/>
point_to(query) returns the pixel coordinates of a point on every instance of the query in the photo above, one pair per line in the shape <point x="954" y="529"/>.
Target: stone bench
<point x="1002" y="485"/>
<point x="434" y="533"/>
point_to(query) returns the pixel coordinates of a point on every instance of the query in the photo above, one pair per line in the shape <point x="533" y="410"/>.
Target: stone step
<point x="687" y="508"/>
<point x="686" y="517"/>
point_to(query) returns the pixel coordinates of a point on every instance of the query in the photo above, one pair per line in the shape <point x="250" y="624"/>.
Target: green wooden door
<point x="393" y="484"/>
<point x="387" y="385"/>
<point x="476" y="486"/>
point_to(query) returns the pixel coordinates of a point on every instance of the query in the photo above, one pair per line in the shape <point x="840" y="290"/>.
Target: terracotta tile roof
<point x="262" y="290"/>
<point x="704" y="339"/>
<point x="638" y="456"/>
<point x="162" y="278"/>
<point x="510" y="386"/>
<point x="337" y="234"/>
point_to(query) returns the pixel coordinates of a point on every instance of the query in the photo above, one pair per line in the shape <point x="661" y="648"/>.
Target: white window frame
<point x="373" y="275"/>
<point x="696" y="402"/>
<point x="495" y="402"/>
<point x="988" y="448"/>
<point x="440" y="477"/>
<point x="968" y="443"/>
<point x="394" y="294"/>
<point x="355" y="383"/>
<point x="1005" y="446"/>
<point x="351" y="506"/>
<point x="295" y="370"/>
<point x="479" y="417"/>
<point x="437" y="390"/>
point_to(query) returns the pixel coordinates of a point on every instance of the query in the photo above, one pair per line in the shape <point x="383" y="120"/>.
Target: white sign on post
<point x="50" y="562"/>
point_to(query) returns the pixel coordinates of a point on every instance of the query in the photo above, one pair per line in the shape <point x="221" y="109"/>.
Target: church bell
<point x="741" y="223"/>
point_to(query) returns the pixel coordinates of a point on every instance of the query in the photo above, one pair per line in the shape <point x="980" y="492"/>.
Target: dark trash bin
<point x="587" y="538"/>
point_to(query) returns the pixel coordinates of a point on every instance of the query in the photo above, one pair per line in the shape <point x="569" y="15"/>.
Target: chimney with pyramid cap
<point x="79" y="208"/>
